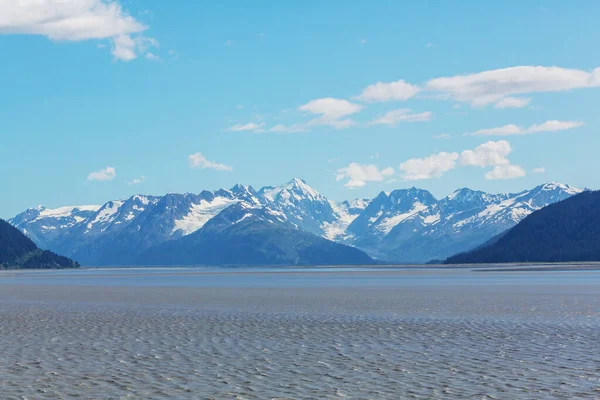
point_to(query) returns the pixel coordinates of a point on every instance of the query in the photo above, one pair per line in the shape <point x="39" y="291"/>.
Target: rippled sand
<point x="189" y="343"/>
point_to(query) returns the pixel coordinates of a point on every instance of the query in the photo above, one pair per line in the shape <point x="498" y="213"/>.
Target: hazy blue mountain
<point x="565" y="231"/>
<point x="18" y="251"/>
<point x="243" y="235"/>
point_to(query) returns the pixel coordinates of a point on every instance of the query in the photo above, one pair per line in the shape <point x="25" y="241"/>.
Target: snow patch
<point x="62" y="212"/>
<point x="200" y="214"/>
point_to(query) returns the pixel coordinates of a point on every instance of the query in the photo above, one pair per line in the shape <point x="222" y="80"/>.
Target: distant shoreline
<point x="495" y="267"/>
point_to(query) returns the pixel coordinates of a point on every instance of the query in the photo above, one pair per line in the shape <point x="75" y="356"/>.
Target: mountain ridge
<point x="404" y="225"/>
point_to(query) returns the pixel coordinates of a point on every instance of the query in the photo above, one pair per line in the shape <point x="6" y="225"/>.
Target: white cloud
<point x="380" y="91"/>
<point x="494" y="86"/>
<point x="137" y="181"/>
<point x="76" y="20"/>
<point x="510" y="129"/>
<point x="247" y="127"/>
<point x="433" y="166"/>
<point x="362" y="41"/>
<point x="442" y="136"/>
<point x="401" y="115"/>
<point x="505" y="172"/>
<point x="331" y="108"/>
<point x="331" y="112"/>
<point x="539" y="170"/>
<point x="554" y="125"/>
<point x="488" y="154"/>
<point x="359" y="174"/>
<point x="152" y="56"/>
<point x="198" y="160"/>
<point x="280" y="128"/>
<point x="126" y="48"/>
<point x="106" y="174"/>
<point x="512" y="102"/>
<point x="493" y="154"/>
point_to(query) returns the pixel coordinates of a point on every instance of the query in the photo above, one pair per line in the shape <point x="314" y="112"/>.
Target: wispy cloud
<point x="295" y="128"/>
<point x="499" y="85"/>
<point x="401" y="115"/>
<point x="247" y="127"/>
<point x="331" y="111"/>
<point x="198" y="160"/>
<point x="513" y="102"/>
<point x="137" y="181"/>
<point x="510" y="129"/>
<point x="380" y="92"/>
<point x="151" y="56"/>
<point x="106" y="174"/>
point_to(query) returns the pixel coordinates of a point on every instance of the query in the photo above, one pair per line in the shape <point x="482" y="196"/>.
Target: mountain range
<point x="291" y="223"/>
<point x="565" y="231"/>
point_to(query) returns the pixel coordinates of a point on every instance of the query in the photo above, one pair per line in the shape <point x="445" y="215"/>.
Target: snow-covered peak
<point x="296" y="189"/>
<point x="464" y="194"/>
<point x="550" y="186"/>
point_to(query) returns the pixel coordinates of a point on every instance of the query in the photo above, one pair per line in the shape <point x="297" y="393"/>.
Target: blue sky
<point x="104" y="100"/>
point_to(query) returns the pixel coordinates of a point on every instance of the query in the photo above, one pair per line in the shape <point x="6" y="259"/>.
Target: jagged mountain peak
<point x="296" y="189"/>
<point x="464" y="192"/>
<point x="412" y="194"/>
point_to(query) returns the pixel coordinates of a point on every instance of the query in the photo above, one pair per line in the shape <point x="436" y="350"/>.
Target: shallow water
<point x="223" y="334"/>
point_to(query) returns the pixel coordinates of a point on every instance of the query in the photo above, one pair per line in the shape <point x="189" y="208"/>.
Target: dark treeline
<point x="18" y="251"/>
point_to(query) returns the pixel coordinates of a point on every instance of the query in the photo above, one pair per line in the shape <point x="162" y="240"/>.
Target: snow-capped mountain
<point x="302" y="206"/>
<point x="464" y="220"/>
<point x="44" y="225"/>
<point x="405" y="225"/>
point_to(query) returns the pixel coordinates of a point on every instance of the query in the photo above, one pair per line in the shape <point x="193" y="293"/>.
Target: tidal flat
<point x="351" y="333"/>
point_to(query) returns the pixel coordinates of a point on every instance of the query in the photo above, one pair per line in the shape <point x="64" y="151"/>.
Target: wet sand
<point x="445" y="339"/>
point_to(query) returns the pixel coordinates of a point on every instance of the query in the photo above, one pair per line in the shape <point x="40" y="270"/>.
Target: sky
<point x="101" y="100"/>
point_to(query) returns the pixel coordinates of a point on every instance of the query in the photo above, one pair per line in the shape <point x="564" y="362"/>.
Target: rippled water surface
<point x="299" y="334"/>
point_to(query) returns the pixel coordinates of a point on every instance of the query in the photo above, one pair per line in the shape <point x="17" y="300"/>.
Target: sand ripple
<point x="95" y="351"/>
